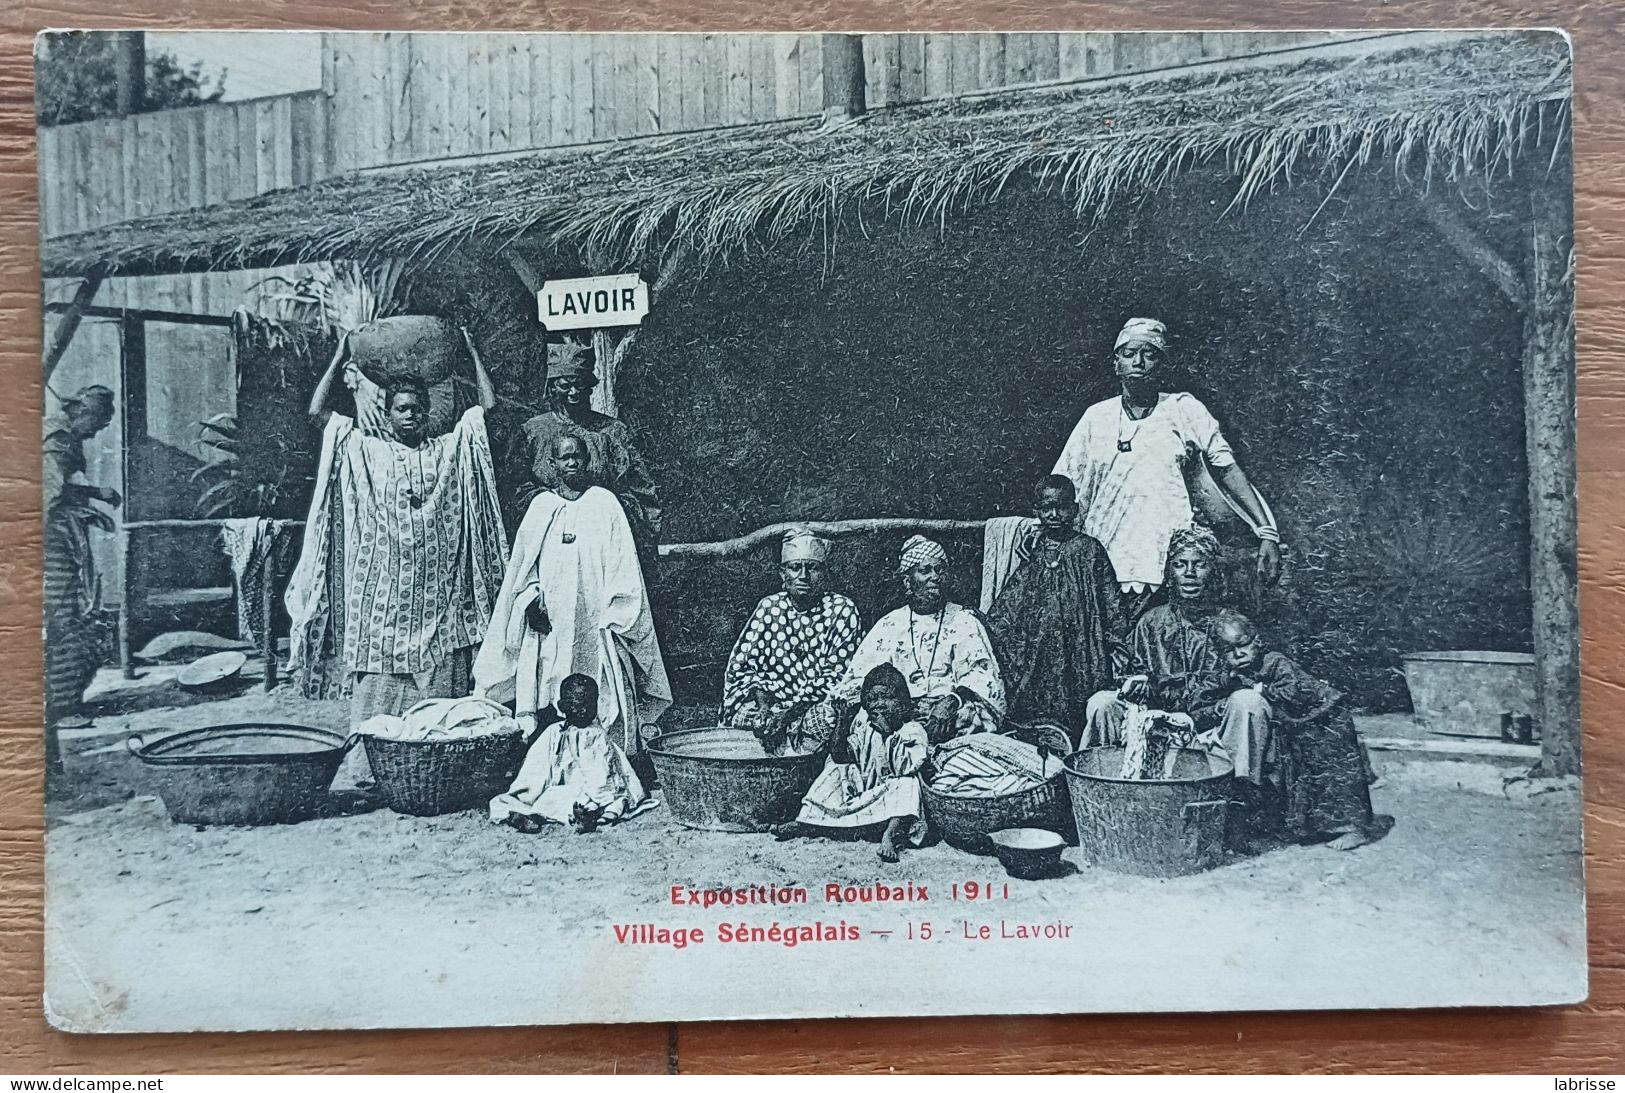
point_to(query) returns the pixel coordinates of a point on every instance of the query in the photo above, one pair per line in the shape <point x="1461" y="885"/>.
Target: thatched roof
<point x="1430" y="106"/>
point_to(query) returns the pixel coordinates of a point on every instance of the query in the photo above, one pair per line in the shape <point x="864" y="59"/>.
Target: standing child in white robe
<point x="573" y="600"/>
<point x="573" y="773"/>
<point x="872" y="776"/>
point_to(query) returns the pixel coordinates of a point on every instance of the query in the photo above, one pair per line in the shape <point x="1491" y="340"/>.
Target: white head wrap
<point x="1143" y="331"/>
<point x="919" y="550"/>
<point x="800" y="544"/>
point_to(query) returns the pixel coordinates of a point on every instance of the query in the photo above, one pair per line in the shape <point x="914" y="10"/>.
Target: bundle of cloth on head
<point x="918" y="550"/>
<point x="1143" y="332"/>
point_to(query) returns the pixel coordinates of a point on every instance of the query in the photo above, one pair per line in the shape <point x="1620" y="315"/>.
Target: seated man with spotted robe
<point x="794" y="649"/>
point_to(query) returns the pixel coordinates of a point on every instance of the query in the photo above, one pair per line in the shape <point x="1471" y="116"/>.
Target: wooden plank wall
<point x="404" y="98"/>
<point x="101" y="172"/>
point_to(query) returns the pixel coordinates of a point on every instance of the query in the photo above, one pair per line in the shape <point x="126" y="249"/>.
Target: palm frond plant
<point x="231" y="485"/>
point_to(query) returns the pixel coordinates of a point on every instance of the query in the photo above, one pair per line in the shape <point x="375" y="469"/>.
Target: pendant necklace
<point x="1126" y="444"/>
<point x="936" y="640"/>
<point x="413" y="498"/>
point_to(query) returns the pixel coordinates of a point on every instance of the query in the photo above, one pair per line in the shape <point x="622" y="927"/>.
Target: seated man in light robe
<point x="794" y="649"/>
<point x="573" y="773"/>
<point x="573" y="600"/>
<point x="941" y="648"/>
<point x="872" y="774"/>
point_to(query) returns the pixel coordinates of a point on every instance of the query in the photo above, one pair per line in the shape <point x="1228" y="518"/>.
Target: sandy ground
<point x="376" y="919"/>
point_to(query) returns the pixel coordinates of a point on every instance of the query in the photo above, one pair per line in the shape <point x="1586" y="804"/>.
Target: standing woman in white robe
<point x="573" y="601"/>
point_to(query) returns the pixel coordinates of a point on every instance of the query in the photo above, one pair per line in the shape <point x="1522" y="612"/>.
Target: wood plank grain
<point x="880" y="68"/>
<point x="785" y="69"/>
<point x="1576" y="1039"/>
<point x="763" y="77"/>
<point x="737" y="90"/>
<point x="939" y="65"/>
<point x="966" y="71"/>
<point x="582" y="102"/>
<point x="561" y="89"/>
<point x="670" y="75"/>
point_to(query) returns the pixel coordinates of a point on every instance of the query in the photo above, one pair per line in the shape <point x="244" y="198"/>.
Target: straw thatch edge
<point x="1426" y="107"/>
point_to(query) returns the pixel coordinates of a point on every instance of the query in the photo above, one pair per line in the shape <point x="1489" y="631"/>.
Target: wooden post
<point x="133" y="416"/>
<point x="607" y="350"/>
<point x="69" y="323"/>
<point x="130" y="71"/>
<point x="845" y="96"/>
<point x="1549" y="411"/>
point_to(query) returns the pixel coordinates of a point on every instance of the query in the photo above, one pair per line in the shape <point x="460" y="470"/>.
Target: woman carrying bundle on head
<point x="402" y="556"/>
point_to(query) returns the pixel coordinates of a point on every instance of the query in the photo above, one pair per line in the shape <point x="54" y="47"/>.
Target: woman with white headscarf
<point x="941" y="648"/>
<point x="1129" y="456"/>
<point x="794" y="649"/>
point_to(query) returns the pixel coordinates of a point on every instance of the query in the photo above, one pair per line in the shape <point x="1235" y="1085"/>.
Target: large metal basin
<point x="720" y="779"/>
<point x="1150" y="827"/>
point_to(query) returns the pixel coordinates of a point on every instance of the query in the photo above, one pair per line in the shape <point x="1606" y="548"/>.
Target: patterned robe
<point x="1058" y="625"/>
<point x="942" y="654"/>
<point x="796" y="657"/>
<point x="402" y="557"/>
<point x="880" y="783"/>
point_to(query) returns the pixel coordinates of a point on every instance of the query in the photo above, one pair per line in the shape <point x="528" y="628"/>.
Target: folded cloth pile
<point x="985" y="764"/>
<point x="438" y="719"/>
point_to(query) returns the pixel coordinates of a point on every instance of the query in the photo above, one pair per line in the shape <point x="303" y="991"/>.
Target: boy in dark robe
<point x="1058" y="624"/>
<point x="1323" y="773"/>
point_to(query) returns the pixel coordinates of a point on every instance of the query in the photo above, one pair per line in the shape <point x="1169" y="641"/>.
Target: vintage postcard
<point x="549" y="528"/>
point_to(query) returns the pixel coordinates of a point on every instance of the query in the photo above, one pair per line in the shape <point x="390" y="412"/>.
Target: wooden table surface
<point x="1576" y="1040"/>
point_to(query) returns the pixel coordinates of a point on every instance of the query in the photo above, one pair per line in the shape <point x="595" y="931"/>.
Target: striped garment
<point x="402" y="556"/>
<point x="989" y="765"/>
<point x="75" y="633"/>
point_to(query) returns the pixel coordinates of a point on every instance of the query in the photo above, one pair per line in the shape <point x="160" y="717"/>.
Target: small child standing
<point x="573" y="773"/>
<point x="1323" y="771"/>
<point x="872" y="774"/>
